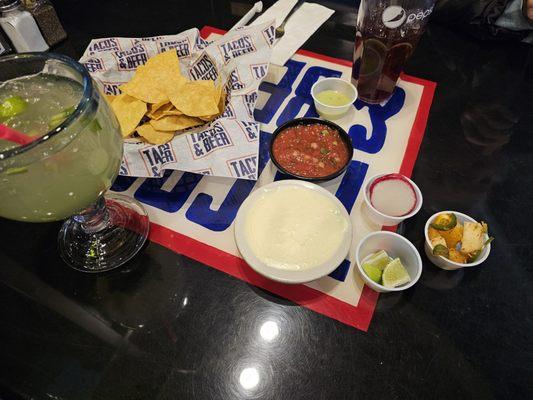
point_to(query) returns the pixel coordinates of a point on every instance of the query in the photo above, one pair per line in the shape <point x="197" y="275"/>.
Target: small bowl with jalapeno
<point x="455" y="240"/>
<point x="311" y="149"/>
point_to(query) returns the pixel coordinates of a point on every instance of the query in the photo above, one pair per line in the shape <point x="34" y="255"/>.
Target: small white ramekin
<point x="443" y="262"/>
<point x="340" y="85"/>
<point x="395" y="246"/>
<point x="386" y="220"/>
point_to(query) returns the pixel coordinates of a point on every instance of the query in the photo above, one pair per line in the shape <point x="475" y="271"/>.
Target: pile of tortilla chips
<point x="159" y="101"/>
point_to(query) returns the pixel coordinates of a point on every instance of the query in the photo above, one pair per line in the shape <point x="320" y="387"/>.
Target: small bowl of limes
<point x="388" y="262"/>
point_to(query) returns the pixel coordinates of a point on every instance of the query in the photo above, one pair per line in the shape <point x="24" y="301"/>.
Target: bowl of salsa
<point x="311" y="149"/>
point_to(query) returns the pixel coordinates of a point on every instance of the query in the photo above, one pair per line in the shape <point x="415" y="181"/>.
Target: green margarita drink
<point x="60" y="151"/>
<point x="75" y="169"/>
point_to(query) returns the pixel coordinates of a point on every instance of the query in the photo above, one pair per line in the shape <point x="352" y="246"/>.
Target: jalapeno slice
<point x="444" y="222"/>
<point x="440" y="250"/>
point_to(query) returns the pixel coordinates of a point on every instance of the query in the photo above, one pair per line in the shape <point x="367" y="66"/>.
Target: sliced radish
<point x="393" y="195"/>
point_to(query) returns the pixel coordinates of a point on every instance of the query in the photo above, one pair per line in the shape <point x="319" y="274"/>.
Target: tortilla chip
<point x="129" y="112"/>
<point x="161" y="105"/>
<point x="161" y="114"/>
<point x="173" y="111"/>
<point x="153" y="136"/>
<point x="151" y="80"/>
<point x="175" y="123"/>
<point x="144" y="87"/>
<point x="110" y="97"/>
<point x="196" y="98"/>
<point x="221" y="106"/>
<point x="174" y="85"/>
<point x="208" y="83"/>
<point x="221" y="100"/>
<point x="173" y="102"/>
<point x="167" y="73"/>
<point x="156" y="113"/>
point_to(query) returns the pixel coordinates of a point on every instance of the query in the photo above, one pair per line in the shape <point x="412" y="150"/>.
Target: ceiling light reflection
<point x="269" y="330"/>
<point x="249" y="378"/>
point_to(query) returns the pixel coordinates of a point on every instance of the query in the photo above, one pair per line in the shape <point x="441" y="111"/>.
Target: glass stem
<point x="94" y="218"/>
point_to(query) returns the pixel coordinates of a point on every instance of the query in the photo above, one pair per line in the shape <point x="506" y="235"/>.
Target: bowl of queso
<point x="311" y="149"/>
<point x="293" y="231"/>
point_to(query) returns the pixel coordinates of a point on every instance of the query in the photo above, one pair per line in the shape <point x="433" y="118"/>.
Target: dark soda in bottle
<point x="387" y="34"/>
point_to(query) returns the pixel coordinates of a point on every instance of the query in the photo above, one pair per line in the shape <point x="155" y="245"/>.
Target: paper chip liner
<point x="239" y="59"/>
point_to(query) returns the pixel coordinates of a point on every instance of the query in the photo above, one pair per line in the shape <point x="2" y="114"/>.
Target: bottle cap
<point x="29" y="4"/>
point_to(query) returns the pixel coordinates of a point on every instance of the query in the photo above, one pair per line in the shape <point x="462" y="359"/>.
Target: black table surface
<point x="167" y="327"/>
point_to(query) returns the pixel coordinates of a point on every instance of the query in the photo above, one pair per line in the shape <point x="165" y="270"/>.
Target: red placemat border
<point x="357" y="316"/>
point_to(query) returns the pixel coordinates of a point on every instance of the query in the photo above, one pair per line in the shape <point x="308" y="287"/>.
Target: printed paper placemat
<point x="194" y="214"/>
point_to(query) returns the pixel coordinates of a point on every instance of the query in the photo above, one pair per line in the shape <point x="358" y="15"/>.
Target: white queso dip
<point x="294" y="228"/>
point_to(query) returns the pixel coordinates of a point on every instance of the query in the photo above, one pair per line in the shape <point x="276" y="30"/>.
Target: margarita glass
<point x="71" y="162"/>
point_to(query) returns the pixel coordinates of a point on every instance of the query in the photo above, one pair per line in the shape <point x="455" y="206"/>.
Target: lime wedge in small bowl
<point x="395" y="274"/>
<point x="378" y="260"/>
<point x="372" y="272"/>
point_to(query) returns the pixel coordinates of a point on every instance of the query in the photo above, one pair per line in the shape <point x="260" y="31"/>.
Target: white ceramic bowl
<point x="340" y="85"/>
<point x="443" y="262"/>
<point x="283" y="275"/>
<point x="395" y="246"/>
<point x="386" y="220"/>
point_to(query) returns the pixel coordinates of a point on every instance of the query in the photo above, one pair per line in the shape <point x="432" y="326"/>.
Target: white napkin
<point x="300" y="26"/>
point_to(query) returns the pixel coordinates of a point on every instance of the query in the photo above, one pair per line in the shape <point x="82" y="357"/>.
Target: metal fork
<point x="280" y="30"/>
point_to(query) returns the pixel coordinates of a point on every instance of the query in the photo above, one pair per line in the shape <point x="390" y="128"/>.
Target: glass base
<point x="374" y="102"/>
<point x="106" y="236"/>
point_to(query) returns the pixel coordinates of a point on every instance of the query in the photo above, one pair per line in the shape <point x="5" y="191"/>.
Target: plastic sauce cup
<point x="339" y="85"/>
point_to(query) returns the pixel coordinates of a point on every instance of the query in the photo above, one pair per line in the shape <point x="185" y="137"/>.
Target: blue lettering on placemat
<point x="378" y="116"/>
<point x="200" y="211"/>
<point x="278" y="93"/>
<point x="347" y="193"/>
<point x="172" y="199"/>
<point x="341" y="272"/>
<point x="123" y="183"/>
<point x="351" y="184"/>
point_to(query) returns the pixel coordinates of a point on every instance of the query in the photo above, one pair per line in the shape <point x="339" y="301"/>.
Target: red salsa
<point x="313" y="151"/>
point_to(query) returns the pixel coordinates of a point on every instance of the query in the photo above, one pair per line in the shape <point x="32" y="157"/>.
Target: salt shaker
<point x="46" y="17"/>
<point x="21" y="27"/>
